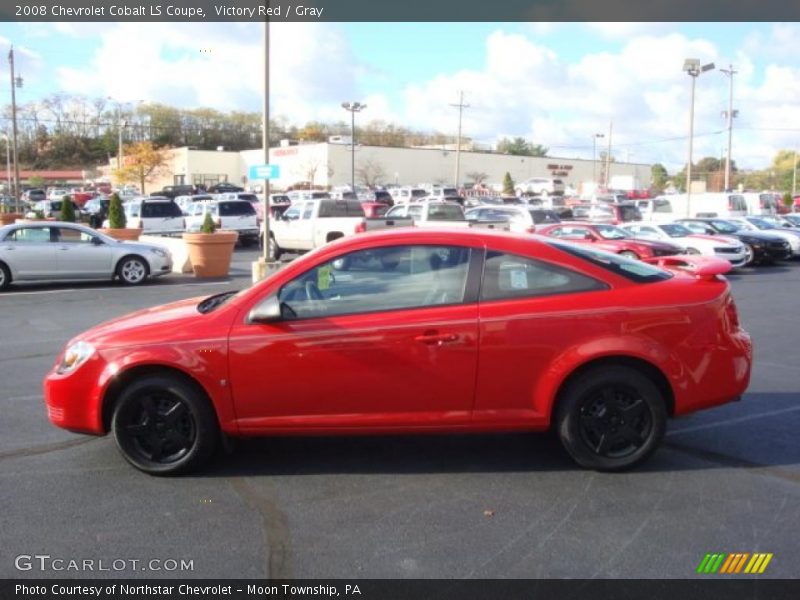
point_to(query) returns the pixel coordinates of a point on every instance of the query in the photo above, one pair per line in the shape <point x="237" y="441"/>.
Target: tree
<point x="520" y="147"/>
<point x="508" y="185"/>
<point x="370" y="172"/>
<point x="116" y="216"/>
<point x="67" y="209"/>
<point x="659" y="176"/>
<point x="477" y="177"/>
<point x="142" y="161"/>
<point x="208" y="225"/>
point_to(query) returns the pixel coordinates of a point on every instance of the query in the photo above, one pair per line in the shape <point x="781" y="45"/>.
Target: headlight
<point x="74" y="356"/>
<point x="159" y="252"/>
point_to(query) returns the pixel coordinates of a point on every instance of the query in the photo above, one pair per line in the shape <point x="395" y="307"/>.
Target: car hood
<point x="168" y="322"/>
<point x="761" y="236"/>
<point x="655" y="245"/>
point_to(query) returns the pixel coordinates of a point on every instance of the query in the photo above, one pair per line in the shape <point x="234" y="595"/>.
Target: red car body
<point x="469" y="366"/>
<point x="591" y="234"/>
<point x="373" y="210"/>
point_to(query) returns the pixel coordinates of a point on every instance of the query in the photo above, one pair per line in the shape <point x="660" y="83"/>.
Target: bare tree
<point x="477" y="177"/>
<point x="370" y="172"/>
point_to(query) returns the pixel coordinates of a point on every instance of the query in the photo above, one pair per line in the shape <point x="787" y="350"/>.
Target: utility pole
<point x="730" y="114"/>
<point x="14" y="126"/>
<point x="265" y="141"/>
<point x="461" y="106"/>
<point x="595" y="136"/>
<point x="353" y="108"/>
<point x="794" y="174"/>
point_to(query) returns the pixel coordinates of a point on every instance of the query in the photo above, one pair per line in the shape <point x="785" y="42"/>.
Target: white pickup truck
<point x="308" y="224"/>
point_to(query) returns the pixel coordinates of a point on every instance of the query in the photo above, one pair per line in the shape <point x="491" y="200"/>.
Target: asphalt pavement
<point x="726" y="480"/>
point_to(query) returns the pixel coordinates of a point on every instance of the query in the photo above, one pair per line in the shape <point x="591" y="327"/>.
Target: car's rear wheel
<point x="611" y="419"/>
<point x="5" y="276"/>
<point x="164" y="425"/>
<point x="132" y="270"/>
<point x="629" y="254"/>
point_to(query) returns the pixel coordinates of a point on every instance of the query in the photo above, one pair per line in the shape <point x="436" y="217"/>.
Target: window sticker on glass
<point x="324" y="277"/>
<point x="519" y="280"/>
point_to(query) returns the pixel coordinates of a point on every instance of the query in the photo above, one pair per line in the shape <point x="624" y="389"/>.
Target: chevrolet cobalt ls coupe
<point x="428" y="330"/>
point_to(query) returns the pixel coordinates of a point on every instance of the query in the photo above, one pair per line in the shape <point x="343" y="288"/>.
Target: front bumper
<point x="74" y="400"/>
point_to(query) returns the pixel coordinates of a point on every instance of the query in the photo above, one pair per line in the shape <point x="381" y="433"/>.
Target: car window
<point x="391" y="278"/>
<point x="29" y="235"/>
<point x="292" y="213"/>
<point x="69" y="235"/>
<point x="341" y="208"/>
<point x="445" y="212"/>
<point x="308" y="210"/>
<point x="397" y="211"/>
<point x="415" y="211"/>
<point x="160" y="210"/>
<point x="570" y="232"/>
<point x="634" y="270"/>
<point x="507" y="276"/>
<point x="236" y="209"/>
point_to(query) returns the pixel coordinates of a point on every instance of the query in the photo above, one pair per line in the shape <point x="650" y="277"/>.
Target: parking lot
<point x="727" y="480"/>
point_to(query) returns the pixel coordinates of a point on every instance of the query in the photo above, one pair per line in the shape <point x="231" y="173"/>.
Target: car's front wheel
<point x="611" y="419"/>
<point x="164" y="425"/>
<point x="749" y="255"/>
<point x="132" y="270"/>
<point x="5" y="276"/>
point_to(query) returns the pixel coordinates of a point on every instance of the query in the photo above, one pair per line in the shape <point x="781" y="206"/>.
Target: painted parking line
<point x="169" y="286"/>
<point x="734" y="421"/>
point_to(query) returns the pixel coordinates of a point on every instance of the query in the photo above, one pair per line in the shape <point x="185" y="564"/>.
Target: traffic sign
<point x="264" y="172"/>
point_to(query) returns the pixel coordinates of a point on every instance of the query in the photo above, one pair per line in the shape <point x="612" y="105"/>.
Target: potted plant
<point x="116" y="221"/>
<point x="210" y="251"/>
<point x="67" y="210"/>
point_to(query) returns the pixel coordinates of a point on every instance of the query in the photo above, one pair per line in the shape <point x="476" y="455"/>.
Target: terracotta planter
<point x="9" y="218"/>
<point x="128" y="235"/>
<point x="211" y="253"/>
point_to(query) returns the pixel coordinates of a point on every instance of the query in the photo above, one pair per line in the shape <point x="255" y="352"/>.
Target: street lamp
<point x="8" y="161"/>
<point x="120" y="125"/>
<point x="353" y="108"/>
<point x="693" y="68"/>
<point x="595" y="136"/>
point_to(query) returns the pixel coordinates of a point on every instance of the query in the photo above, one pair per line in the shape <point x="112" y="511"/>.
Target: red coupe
<point x="610" y="238"/>
<point x="428" y="330"/>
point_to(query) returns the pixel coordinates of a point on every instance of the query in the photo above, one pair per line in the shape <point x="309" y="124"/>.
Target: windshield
<point x="610" y="232"/>
<point x="675" y="230"/>
<point x="725" y="226"/>
<point x="761" y="224"/>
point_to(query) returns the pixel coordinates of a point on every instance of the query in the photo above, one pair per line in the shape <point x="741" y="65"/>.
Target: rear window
<point x="737" y="203"/>
<point x="341" y="208"/>
<point x="156" y="210"/>
<point x="236" y="209"/>
<point x="544" y="216"/>
<point x="383" y="196"/>
<point x="634" y="270"/>
<point x="629" y="213"/>
<point x="662" y="206"/>
<point x="418" y="193"/>
<point x="445" y="212"/>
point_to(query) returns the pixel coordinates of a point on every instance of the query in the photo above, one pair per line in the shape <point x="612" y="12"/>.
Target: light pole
<point x="595" y="136"/>
<point x="120" y="126"/>
<point x="693" y="68"/>
<point x="460" y="106"/>
<point x="15" y="83"/>
<point x="730" y="114"/>
<point x="353" y="108"/>
<point x="794" y="174"/>
<point x="8" y="161"/>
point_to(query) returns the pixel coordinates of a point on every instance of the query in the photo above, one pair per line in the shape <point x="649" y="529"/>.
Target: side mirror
<point x="266" y="311"/>
<point x="96" y="241"/>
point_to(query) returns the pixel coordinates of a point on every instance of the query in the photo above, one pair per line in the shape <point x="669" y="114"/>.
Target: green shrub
<point x="38" y="214"/>
<point x="116" y="216"/>
<point x="67" y="209"/>
<point x="508" y="185"/>
<point x="788" y="201"/>
<point x="208" y="224"/>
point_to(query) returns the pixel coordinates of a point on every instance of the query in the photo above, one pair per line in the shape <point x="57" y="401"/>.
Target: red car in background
<point x="374" y="210"/>
<point x="438" y="330"/>
<point x="610" y="238"/>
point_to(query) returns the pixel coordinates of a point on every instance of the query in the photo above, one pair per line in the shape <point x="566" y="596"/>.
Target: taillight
<point x="361" y="227"/>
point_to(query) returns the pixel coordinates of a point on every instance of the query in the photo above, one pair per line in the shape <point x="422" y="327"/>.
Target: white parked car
<point x="185" y="201"/>
<point x="540" y="186"/>
<point x="56" y="250"/>
<point x="153" y="214"/>
<point x="57" y="193"/>
<point x="727" y="248"/>
<point x="520" y="218"/>
<point x="228" y="215"/>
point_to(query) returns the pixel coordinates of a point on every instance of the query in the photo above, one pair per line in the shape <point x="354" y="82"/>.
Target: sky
<point x="555" y="84"/>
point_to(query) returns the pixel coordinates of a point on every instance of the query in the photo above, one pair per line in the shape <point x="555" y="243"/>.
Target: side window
<point x="292" y="213"/>
<point x="74" y="236"/>
<point x="391" y="278"/>
<point x="308" y="210"/>
<point x="506" y="276"/>
<point x="397" y="211"/>
<point x="30" y="235"/>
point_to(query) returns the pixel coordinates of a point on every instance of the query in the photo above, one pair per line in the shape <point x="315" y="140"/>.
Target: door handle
<point x="433" y="338"/>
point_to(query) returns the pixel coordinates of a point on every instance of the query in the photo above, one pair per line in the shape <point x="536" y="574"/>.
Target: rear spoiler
<point x="702" y="267"/>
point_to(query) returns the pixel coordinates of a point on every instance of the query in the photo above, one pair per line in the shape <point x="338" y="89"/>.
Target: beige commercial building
<point x="329" y="164"/>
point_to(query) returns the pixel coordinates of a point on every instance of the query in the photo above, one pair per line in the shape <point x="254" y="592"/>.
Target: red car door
<point x="379" y="337"/>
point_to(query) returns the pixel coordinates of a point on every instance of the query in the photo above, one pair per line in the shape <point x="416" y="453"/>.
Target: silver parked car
<point x="54" y="250"/>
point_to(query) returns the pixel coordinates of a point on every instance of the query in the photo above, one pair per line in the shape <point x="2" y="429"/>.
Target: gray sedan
<point x="53" y="250"/>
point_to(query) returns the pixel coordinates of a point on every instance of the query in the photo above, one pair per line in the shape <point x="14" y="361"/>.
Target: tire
<point x="629" y="254"/>
<point x="164" y="425"/>
<point x="750" y="255"/>
<point x="5" y="277"/>
<point x="592" y="413"/>
<point x="274" y="251"/>
<point x="133" y="270"/>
